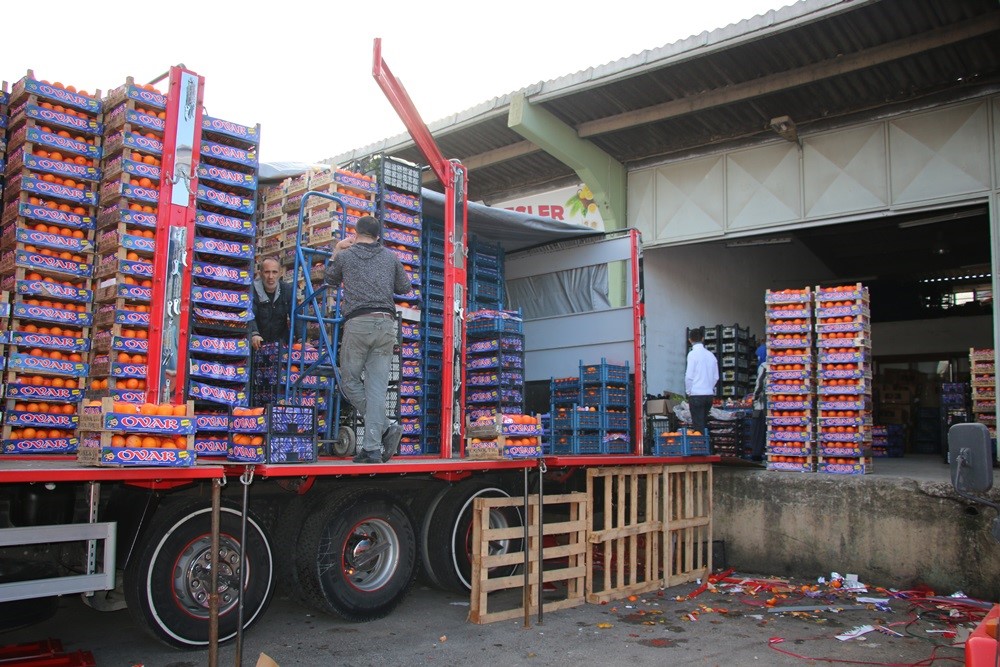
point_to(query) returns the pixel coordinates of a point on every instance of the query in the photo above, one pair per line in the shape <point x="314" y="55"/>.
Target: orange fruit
<point x="180" y="410"/>
<point x="118" y="440"/>
<point x="150" y="441"/>
<point x="133" y="441"/>
<point x="165" y="409"/>
<point x="131" y="383"/>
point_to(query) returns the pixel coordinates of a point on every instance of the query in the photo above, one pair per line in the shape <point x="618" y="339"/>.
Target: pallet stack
<point x="46" y="245"/>
<point x="982" y="366"/>
<point x="126" y="224"/>
<point x="790" y="390"/>
<point x="843" y="326"/>
<point x="223" y="267"/>
<point x="271" y="222"/>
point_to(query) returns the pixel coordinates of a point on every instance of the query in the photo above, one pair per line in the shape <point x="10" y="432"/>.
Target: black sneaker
<point x="390" y="441"/>
<point x="367" y="457"/>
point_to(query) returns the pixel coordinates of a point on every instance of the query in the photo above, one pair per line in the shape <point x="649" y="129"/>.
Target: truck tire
<point x="446" y="537"/>
<point x="167" y="579"/>
<point x="356" y="555"/>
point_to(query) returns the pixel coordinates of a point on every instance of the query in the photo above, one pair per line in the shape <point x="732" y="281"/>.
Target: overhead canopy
<point x="512" y="230"/>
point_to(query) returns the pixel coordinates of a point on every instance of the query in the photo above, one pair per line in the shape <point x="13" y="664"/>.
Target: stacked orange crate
<point x="789" y="388"/>
<point x="133" y="146"/>
<point x="46" y="245"/>
<point x="843" y="325"/>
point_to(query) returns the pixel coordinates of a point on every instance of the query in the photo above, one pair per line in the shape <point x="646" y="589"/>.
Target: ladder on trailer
<point x="321" y="306"/>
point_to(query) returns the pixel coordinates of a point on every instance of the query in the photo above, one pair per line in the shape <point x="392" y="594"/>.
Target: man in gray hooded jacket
<point x="371" y="274"/>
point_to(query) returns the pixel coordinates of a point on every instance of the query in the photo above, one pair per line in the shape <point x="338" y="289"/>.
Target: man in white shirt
<point x="699" y="381"/>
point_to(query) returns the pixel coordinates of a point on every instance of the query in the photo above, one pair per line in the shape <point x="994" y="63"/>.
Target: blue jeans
<point x="367" y="349"/>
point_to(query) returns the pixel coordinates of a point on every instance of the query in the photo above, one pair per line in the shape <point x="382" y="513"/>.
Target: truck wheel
<point x="446" y="538"/>
<point x="356" y="555"/>
<point x="167" y="580"/>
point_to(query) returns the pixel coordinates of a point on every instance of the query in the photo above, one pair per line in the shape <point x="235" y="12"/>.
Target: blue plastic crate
<point x="615" y="421"/>
<point x="494" y="325"/>
<point x="559" y="384"/>
<point x="617" y="396"/>
<point x="681" y="444"/>
<point x="486" y="290"/>
<point x="573" y="419"/>
<point x="587" y="443"/>
<point x="604" y="372"/>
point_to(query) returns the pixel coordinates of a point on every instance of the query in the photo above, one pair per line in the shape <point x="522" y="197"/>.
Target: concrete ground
<point x="430" y="627"/>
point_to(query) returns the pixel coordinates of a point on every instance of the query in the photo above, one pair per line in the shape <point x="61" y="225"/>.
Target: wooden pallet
<point x="563" y="558"/>
<point x="687" y="515"/>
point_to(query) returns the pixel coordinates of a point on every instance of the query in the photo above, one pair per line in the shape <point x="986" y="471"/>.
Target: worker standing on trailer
<point x="699" y="381"/>
<point x="371" y="274"/>
<point x="271" y="299"/>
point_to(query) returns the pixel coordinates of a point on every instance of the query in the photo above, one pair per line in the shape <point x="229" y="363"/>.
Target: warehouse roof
<point x="819" y="62"/>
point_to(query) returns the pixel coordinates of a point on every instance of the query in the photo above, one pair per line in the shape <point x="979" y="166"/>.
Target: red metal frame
<point x="172" y="215"/>
<point x="638" y="342"/>
<point x="454" y="179"/>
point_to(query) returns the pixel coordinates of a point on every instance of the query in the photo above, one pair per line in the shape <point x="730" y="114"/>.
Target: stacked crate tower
<point x="222" y="274"/>
<point x="569" y="419"/>
<point x="398" y="208"/>
<point x="494" y="364"/>
<point x="737" y="362"/>
<point x="790" y="391"/>
<point x="605" y="387"/>
<point x="429" y="336"/>
<point x="844" y="404"/>
<point x="982" y="367"/>
<point x="4" y="296"/>
<point x="126" y="224"/>
<point x="46" y="251"/>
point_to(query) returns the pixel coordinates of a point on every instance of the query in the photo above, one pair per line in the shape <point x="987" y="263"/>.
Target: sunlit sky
<point x="303" y="69"/>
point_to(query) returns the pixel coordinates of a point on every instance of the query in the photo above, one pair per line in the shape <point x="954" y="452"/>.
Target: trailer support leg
<point x="541" y="534"/>
<point x="245" y="479"/>
<point x="526" y="595"/>
<point x="213" y="594"/>
<point x="93" y="499"/>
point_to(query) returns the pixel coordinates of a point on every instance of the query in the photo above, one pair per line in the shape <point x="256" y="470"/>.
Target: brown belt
<point x="385" y="315"/>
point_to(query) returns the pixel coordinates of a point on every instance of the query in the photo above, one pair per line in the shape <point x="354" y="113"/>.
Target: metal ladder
<point x="313" y="307"/>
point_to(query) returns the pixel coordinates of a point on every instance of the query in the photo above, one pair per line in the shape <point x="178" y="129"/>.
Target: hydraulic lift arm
<point x="453" y="177"/>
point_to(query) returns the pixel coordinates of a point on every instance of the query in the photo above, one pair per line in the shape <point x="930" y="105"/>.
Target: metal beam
<point x="765" y="85"/>
<point x="604" y="175"/>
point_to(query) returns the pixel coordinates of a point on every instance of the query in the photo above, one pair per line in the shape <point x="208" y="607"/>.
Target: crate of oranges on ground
<point x="504" y="436"/>
<point x="116" y="433"/>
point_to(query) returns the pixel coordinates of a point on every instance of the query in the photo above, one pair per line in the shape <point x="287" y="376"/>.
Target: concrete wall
<point x="891" y="531"/>
<point x="950" y="334"/>
<point x="708" y="284"/>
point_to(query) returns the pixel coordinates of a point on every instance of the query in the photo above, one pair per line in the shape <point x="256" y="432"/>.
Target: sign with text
<point x="574" y="205"/>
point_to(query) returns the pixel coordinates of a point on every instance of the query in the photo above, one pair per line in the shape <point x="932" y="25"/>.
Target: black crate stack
<point x="568" y="419"/>
<point x="494" y="364"/>
<point x="223" y="267"/>
<point x="486" y="275"/>
<point x="735" y="350"/>
<point x="123" y="278"/>
<point x="50" y="199"/>
<point x="428" y="339"/>
<point x="398" y="206"/>
<point x="731" y="437"/>
<point x="844" y="379"/>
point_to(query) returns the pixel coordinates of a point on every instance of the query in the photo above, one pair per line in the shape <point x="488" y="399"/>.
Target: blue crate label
<point x="789" y="421"/>
<point x="55" y="290"/>
<point x="37" y="185"/>
<point x="400" y="218"/>
<point x="804" y="404"/>
<point x="138" y="142"/>
<point x="161" y="424"/>
<point x="134" y="345"/>
<point x="223" y="395"/>
<point x="308" y="355"/>
<point x="404" y="238"/>
<point x="854" y="328"/>
<point x="133" y="292"/>
<point x="51" y="140"/>
<point x="52" y="315"/>
<point x="58" y="394"/>
<point x="226" y="248"/>
<point x="410" y="409"/>
<point x="147" y="456"/>
<point x="220" y="297"/>
<point x="857" y="403"/>
<point x="788" y="297"/>
<point x="307" y="381"/>
<point x="782" y="327"/>
<point x="210" y="172"/>
<point x="234" y="347"/>
<point x="351" y="201"/>
<point x="134" y="192"/>
<point x="129" y="395"/>
<point x="211" y="446"/>
<point x="35" y="87"/>
<point x="229" y="153"/>
<point x="409" y="388"/>
<point x="84" y="125"/>
<point x="842" y="468"/>
<point x="790" y="436"/>
<point x="210" y="124"/>
<point x="842" y="357"/>
<point x="842" y="311"/>
<point x="784" y="343"/>
<point x="228" y="200"/>
<point x="854" y="374"/>
<point x="774" y="375"/>
<point x="401" y="199"/>
<point x="147" y="97"/>
<point x="798" y="313"/>
<point x="140" y="243"/>
<point x="407" y="257"/>
<point x="211" y="422"/>
<point x="842" y="449"/>
<point x="224" y="223"/>
<point x="135" y="168"/>
<point x="790" y="450"/>
<point x="845" y="340"/>
<point x="60" y="168"/>
<point x="861" y="436"/>
<point x="213" y="314"/>
<point x="522" y="451"/>
<point x="246" y="453"/>
<point x="64" y="343"/>
<point x="844" y="389"/>
<point x="138" y="218"/>
<point x="54" y="241"/>
<point x="47" y="446"/>
<point x="19" y="418"/>
<point x="143" y="120"/>
<point x="129" y="317"/>
<point x="216" y="371"/>
<point x="143" y="269"/>
<point x="350" y="180"/>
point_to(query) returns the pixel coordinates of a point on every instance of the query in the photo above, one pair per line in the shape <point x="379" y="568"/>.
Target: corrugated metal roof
<point x="814" y="61"/>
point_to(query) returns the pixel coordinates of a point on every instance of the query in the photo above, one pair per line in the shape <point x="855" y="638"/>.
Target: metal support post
<point x="93" y="499"/>
<point x="245" y="479"/>
<point x="541" y="534"/>
<point x="526" y="595"/>
<point x="213" y="594"/>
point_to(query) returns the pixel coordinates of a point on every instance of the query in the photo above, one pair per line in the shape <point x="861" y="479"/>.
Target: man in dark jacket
<point x="371" y="274"/>
<point x="271" y="298"/>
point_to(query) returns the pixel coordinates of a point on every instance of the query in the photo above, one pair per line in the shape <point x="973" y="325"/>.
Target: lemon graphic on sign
<point x="582" y="204"/>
